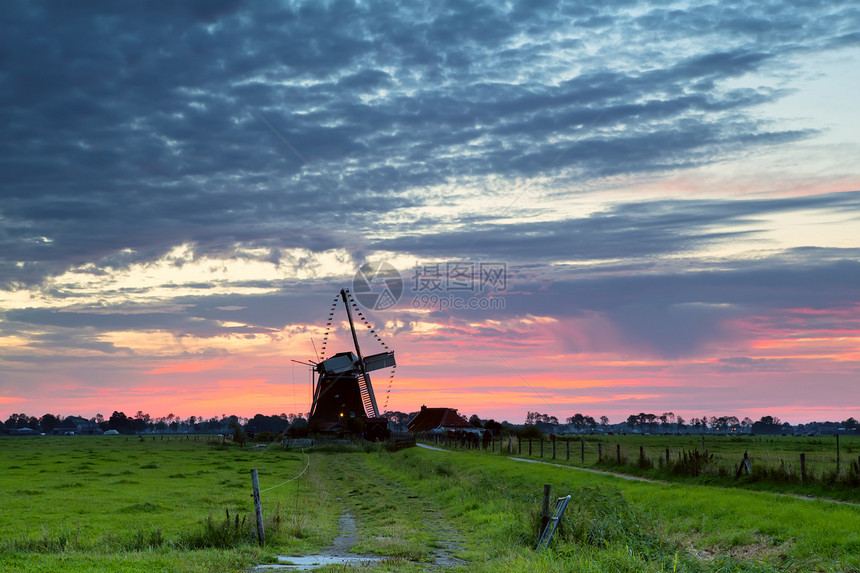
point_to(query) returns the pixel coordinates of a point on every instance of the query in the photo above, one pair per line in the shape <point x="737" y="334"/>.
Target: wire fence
<point x="820" y="460"/>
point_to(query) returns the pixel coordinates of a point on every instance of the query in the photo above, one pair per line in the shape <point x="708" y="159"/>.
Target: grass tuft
<point x="144" y="507"/>
<point x="229" y="532"/>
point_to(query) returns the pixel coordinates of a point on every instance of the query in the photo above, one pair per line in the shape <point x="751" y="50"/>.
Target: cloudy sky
<point x="668" y="193"/>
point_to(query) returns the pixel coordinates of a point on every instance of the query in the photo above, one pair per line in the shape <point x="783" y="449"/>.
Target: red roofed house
<point x="438" y="420"/>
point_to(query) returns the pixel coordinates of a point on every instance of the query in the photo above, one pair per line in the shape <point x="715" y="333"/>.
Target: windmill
<point x="343" y="395"/>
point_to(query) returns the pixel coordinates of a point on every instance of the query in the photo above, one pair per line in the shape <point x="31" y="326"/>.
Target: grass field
<point x="120" y="503"/>
<point x="108" y="503"/>
<point x="774" y="460"/>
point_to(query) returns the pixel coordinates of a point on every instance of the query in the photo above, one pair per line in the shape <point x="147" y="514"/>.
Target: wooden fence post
<point x="553" y="449"/>
<point x="744" y="465"/>
<point x="667" y="458"/>
<point x="530" y="447"/>
<point x="582" y="450"/>
<point x="599" y="452"/>
<point x="544" y="512"/>
<point x="837" y="454"/>
<point x="641" y="453"/>
<point x="541" y="448"/>
<point x="618" y="452"/>
<point x="568" y="449"/>
<point x="258" y="508"/>
<point x="704" y="449"/>
<point x="802" y="467"/>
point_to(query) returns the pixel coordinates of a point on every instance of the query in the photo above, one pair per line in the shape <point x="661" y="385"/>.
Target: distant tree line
<point x="668" y="422"/>
<point x="535" y="422"/>
<point x="143" y="423"/>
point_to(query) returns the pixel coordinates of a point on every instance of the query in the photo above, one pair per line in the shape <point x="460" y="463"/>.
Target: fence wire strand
<point x="301" y="473"/>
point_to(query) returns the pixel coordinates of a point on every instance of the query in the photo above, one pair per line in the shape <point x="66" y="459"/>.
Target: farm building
<point x="23" y="432"/>
<point x="438" y="420"/>
<point x="77" y="426"/>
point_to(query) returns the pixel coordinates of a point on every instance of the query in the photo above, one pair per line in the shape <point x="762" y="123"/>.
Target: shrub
<point x="530" y="431"/>
<point x="690" y="464"/>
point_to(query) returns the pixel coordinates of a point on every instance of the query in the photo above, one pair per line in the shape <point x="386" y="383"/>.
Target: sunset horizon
<point x="602" y="210"/>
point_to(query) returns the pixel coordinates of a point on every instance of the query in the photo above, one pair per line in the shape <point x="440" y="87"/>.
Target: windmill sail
<point x="378" y="361"/>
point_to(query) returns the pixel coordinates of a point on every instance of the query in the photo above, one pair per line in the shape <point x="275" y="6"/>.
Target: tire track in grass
<point x="358" y="490"/>
<point x="444" y="535"/>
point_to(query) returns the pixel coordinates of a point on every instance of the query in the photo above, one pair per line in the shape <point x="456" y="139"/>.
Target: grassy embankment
<point x="774" y="460"/>
<point x="615" y="524"/>
<point x="95" y="504"/>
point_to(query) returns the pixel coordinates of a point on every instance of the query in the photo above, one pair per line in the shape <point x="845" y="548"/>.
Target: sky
<point x="637" y="207"/>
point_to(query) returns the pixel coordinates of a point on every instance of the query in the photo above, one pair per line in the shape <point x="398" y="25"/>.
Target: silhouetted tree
<point x="261" y="423"/>
<point x="494" y="426"/>
<point x="18" y="421"/>
<point x="649" y="419"/>
<point x="120" y="422"/>
<point x="536" y="417"/>
<point x="238" y="432"/>
<point x="579" y="421"/>
<point x="49" y="422"/>
<point x="768" y="425"/>
<point x="530" y="431"/>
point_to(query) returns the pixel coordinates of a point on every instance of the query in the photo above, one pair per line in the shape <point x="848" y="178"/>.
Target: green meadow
<point x="118" y="504"/>
<point x="774" y="460"/>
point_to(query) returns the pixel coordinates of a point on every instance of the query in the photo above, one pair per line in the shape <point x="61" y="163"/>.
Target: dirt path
<point x="359" y="491"/>
<point x="338" y="554"/>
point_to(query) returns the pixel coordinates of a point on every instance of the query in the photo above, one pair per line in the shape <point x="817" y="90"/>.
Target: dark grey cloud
<point x="141" y="126"/>
<point x="681" y="313"/>
<point x="133" y="127"/>
<point x="629" y="230"/>
<point x="115" y="319"/>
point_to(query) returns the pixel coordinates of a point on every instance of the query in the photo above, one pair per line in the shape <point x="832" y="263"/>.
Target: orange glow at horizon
<point x="494" y="371"/>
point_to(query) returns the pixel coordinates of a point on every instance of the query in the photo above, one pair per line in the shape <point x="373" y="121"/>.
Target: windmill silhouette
<point x="343" y="397"/>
